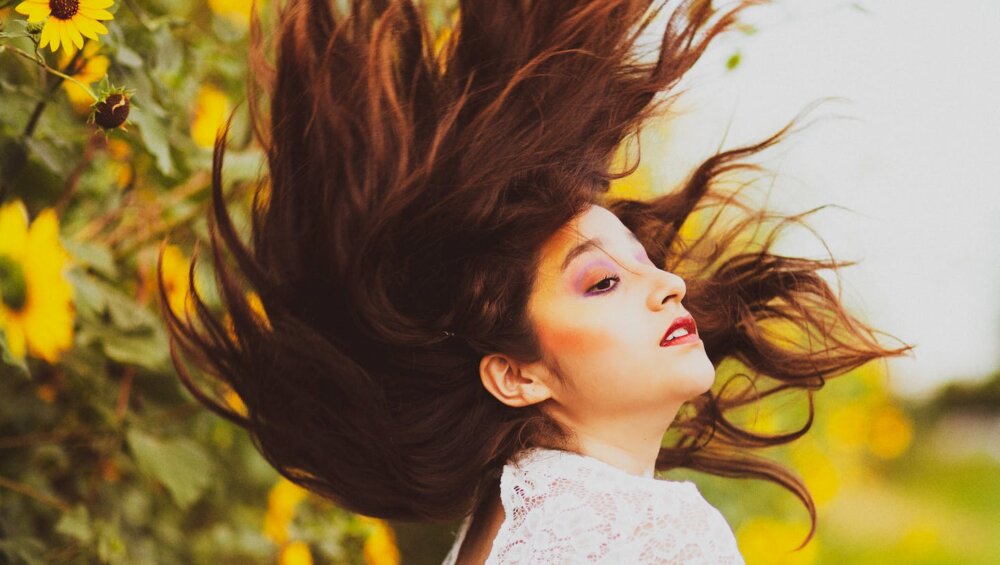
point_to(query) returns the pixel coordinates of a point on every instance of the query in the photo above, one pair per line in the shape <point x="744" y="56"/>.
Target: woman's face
<point x="601" y="311"/>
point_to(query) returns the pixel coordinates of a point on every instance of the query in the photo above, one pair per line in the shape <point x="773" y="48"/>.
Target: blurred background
<point x="105" y="149"/>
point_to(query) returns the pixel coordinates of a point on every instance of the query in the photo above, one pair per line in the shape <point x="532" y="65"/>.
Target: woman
<point x="458" y="322"/>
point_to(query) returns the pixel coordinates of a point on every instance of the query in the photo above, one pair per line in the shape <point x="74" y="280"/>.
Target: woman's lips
<point x="686" y="322"/>
<point x="689" y="338"/>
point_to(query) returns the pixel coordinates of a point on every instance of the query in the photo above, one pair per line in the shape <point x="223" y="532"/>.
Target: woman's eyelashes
<point x="597" y="288"/>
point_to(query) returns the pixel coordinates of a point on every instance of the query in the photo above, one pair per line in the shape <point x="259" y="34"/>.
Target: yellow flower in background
<point x="210" y="112"/>
<point x="919" y="540"/>
<point x="442" y="39"/>
<point x="295" y="553"/>
<point x="93" y="69"/>
<point x="766" y="541"/>
<point x="636" y="186"/>
<point x="174" y="272"/>
<point x="36" y="299"/>
<point x="236" y="11"/>
<point x="847" y="425"/>
<point x="121" y="152"/>
<point x="891" y="432"/>
<point x="256" y="308"/>
<point x="817" y="470"/>
<point x="281" y="502"/>
<point x="380" y="546"/>
<point x="67" y="21"/>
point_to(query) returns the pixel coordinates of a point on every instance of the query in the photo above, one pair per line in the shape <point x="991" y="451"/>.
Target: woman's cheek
<point x="565" y="336"/>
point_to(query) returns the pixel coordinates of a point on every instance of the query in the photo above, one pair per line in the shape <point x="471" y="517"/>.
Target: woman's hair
<point x="409" y="192"/>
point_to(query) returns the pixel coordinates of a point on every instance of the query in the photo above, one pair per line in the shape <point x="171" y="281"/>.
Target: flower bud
<point x="111" y="111"/>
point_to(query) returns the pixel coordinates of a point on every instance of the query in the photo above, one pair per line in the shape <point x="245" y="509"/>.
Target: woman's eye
<point x="602" y="289"/>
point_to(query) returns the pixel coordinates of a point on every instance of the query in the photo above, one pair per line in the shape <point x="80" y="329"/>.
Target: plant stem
<point x="32" y="492"/>
<point x="41" y="62"/>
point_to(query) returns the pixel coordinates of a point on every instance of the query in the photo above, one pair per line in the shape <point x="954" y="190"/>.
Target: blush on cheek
<point x="572" y="341"/>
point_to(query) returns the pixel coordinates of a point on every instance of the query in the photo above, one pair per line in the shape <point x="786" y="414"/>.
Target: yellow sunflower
<point x="70" y="20"/>
<point x="380" y="545"/>
<point x="36" y="299"/>
<point x="91" y="69"/>
<point x="174" y="272"/>
<point x="236" y="11"/>
<point x="210" y="110"/>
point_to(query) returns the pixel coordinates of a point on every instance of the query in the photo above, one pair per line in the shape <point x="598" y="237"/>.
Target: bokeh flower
<point x="121" y="154"/>
<point x="817" y="469"/>
<point x="891" y="432"/>
<point x="67" y="22"/>
<point x="174" y="272"/>
<point x="380" y="545"/>
<point x="36" y="299"/>
<point x="281" y="502"/>
<point x="767" y="541"/>
<point x="210" y="110"/>
<point x="91" y="69"/>
<point x="295" y="553"/>
<point x="256" y="308"/>
<point x="236" y="11"/>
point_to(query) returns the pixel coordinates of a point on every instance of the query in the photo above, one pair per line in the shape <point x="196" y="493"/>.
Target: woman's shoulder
<point x="567" y="507"/>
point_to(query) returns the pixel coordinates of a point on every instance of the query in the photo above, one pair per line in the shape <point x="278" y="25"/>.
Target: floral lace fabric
<point x="563" y="507"/>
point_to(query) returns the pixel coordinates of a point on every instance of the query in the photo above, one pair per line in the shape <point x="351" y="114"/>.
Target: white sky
<point x="917" y="162"/>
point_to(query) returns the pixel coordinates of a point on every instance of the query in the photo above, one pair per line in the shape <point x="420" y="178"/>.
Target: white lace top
<point x="563" y="507"/>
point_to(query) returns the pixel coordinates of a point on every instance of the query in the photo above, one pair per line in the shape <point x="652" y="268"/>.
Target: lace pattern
<point x="563" y="507"/>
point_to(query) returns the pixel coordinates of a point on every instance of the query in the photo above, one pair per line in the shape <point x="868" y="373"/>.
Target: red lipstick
<point x="685" y="322"/>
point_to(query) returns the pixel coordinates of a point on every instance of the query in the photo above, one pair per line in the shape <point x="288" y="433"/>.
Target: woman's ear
<point x="512" y="383"/>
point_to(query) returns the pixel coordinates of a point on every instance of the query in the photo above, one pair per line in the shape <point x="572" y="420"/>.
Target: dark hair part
<point x="408" y="195"/>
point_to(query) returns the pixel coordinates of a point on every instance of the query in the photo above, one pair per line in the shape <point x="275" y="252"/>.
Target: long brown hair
<point x="395" y="238"/>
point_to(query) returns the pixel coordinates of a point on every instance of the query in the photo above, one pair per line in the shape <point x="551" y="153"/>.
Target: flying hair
<point x="411" y="182"/>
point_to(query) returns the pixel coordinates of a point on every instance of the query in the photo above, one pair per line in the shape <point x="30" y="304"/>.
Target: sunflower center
<point x="64" y="9"/>
<point x="13" y="287"/>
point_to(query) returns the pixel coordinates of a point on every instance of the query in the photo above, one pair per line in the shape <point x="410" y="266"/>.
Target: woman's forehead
<point x="595" y="222"/>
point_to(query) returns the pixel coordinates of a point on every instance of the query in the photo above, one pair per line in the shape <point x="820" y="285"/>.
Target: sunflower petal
<point x="67" y="38"/>
<point x="67" y="43"/>
<point x="55" y="35"/>
<point x="86" y="27"/>
<point x="35" y="11"/>
<point x="46" y="35"/>
<point x="96" y="14"/>
<point x="74" y="33"/>
<point x="95" y="4"/>
<point x="90" y="27"/>
<point x="97" y="26"/>
<point x="13" y="228"/>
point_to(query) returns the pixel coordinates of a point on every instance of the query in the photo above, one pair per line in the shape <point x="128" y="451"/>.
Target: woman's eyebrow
<point x="588" y="245"/>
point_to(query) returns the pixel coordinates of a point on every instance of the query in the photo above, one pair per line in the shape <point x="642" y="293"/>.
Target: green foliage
<point x="105" y="457"/>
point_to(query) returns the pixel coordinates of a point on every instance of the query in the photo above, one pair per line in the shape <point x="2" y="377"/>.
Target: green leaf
<point x="733" y="61"/>
<point x="154" y="136"/>
<point x="243" y="165"/>
<point x="94" y="255"/>
<point x="128" y="315"/>
<point x="181" y="465"/>
<point x="8" y="360"/>
<point x="148" y="349"/>
<point x="110" y="546"/>
<point x="76" y="524"/>
<point x="28" y="549"/>
<point x="91" y="300"/>
<point x="128" y="57"/>
<point x="169" y="51"/>
<point x="48" y="155"/>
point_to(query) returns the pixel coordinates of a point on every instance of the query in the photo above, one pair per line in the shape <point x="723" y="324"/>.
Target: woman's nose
<point x="667" y="285"/>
